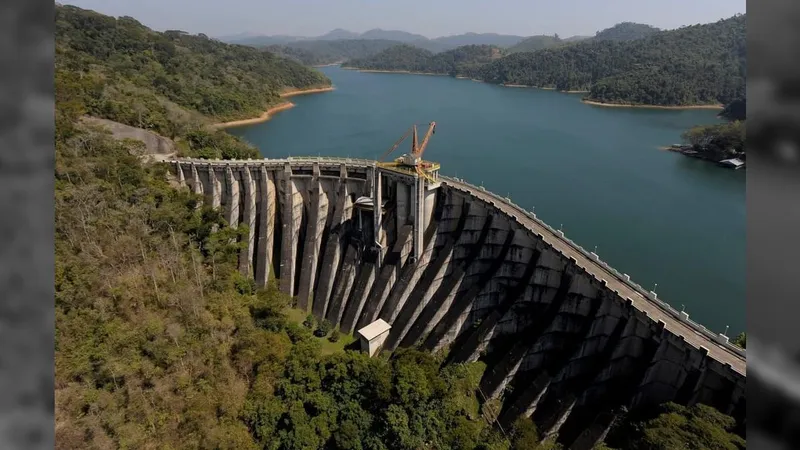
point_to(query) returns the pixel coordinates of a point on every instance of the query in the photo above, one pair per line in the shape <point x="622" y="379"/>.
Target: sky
<point x="431" y="18"/>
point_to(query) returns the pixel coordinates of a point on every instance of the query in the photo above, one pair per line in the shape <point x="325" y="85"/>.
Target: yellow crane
<point x="413" y="161"/>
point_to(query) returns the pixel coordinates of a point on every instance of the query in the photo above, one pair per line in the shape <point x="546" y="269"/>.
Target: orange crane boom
<point x="417" y="151"/>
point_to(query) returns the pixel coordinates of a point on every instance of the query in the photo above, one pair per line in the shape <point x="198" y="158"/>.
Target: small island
<point x="723" y="143"/>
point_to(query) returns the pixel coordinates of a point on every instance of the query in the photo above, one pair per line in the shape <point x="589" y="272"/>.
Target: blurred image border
<point x="773" y="222"/>
<point x="27" y="266"/>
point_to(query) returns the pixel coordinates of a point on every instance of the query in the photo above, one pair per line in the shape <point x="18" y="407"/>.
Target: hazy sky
<point x="431" y="18"/>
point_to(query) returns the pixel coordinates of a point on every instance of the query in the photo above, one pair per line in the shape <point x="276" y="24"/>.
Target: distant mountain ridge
<point x="626" y="31"/>
<point x="321" y="52"/>
<point x="438" y="44"/>
<point x="466" y="60"/>
<point x="340" y="45"/>
<point x="697" y="65"/>
<point x="620" y="32"/>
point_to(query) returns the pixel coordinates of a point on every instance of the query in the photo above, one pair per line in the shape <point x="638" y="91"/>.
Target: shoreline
<point x="542" y="88"/>
<point x="588" y="102"/>
<point x="396" y="71"/>
<point x="268" y="114"/>
<point x="620" y="105"/>
<point x="265" y="116"/>
<point x="511" y="85"/>
<point x="291" y="92"/>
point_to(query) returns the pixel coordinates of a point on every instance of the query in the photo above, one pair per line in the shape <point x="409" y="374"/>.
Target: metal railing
<point x="650" y="296"/>
<point x="277" y="162"/>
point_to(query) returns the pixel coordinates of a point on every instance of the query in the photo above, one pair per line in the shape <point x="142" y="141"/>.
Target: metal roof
<point x="374" y="329"/>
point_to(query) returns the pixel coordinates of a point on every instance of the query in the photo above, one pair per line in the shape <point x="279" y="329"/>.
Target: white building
<point x="373" y="335"/>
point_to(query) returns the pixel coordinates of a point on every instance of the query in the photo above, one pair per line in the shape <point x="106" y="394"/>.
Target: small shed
<point x="733" y="163"/>
<point x="373" y="335"/>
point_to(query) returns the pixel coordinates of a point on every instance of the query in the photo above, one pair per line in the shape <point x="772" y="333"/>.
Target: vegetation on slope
<point x="721" y="141"/>
<point x="672" y="426"/>
<point x="460" y="40"/>
<point x="466" y="60"/>
<point x="320" y="52"/>
<point x="122" y="64"/>
<point x="702" y="64"/>
<point x="534" y="43"/>
<point x="160" y="340"/>
<point x="626" y="31"/>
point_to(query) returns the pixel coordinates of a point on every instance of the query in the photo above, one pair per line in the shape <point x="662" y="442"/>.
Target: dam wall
<point x="568" y="341"/>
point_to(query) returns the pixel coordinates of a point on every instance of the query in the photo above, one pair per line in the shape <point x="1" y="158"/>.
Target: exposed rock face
<point x="156" y="146"/>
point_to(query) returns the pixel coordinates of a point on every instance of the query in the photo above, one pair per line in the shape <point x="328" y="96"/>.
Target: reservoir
<point x="674" y="224"/>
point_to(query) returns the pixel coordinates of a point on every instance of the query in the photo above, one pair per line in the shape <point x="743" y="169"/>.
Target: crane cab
<point x="408" y="160"/>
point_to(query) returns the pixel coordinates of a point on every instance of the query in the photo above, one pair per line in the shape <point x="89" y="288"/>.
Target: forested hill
<point x="466" y="60"/>
<point x="121" y="70"/>
<point x="626" y="31"/>
<point x="539" y="42"/>
<point x="701" y="64"/>
<point x="319" y="52"/>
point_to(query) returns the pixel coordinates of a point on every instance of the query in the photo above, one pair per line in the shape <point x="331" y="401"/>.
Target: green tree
<point x="697" y="427"/>
<point x="740" y="340"/>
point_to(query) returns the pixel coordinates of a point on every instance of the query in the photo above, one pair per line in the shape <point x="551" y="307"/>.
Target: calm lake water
<point x="596" y="172"/>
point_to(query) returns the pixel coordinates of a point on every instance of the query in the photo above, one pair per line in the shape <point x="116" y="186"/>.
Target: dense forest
<point x="439" y="44"/>
<point x="626" y="64"/>
<point x="534" y="43"/>
<point x="341" y="45"/>
<point x="319" y="52"/>
<point x="162" y="342"/>
<point x="625" y="31"/>
<point x="724" y="140"/>
<point x="131" y="74"/>
<point x="701" y="64"/>
<point x="465" y="61"/>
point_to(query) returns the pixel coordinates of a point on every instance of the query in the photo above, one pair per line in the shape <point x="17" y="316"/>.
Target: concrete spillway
<point x="568" y="341"/>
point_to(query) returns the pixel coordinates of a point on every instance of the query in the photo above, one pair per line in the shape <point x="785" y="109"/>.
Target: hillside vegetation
<point x="534" y="43"/>
<point x="320" y="52"/>
<point x="465" y="61"/>
<point x="627" y="64"/>
<point x="120" y="70"/>
<point x="626" y="31"/>
<point x="701" y="64"/>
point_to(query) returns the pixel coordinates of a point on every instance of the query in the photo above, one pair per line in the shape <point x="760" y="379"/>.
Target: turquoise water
<point x="596" y="172"/>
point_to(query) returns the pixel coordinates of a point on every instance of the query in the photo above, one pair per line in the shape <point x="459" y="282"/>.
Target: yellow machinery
<point x="412" y="163"/>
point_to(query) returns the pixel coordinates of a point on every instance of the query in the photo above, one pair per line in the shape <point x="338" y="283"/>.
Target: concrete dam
<point x="568" y="341"/>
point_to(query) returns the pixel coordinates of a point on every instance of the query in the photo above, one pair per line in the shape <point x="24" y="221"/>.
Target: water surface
<point x="596" y="172"/>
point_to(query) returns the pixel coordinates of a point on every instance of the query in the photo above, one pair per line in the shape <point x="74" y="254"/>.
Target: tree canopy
<point x="466" y="60"/>
<point x="118" y="62"/>
<point x="719" y="141"/>
<point x="673" y="426"/>
<point x="626" y="64"/>
<point x="701" y="64"/>
<point x="318" y="52"/>
<point x="626" y="31"/>
<point x="534" y="43"/>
